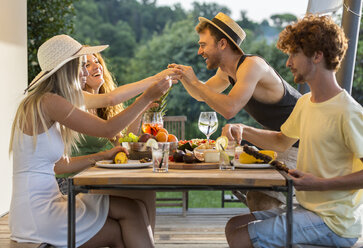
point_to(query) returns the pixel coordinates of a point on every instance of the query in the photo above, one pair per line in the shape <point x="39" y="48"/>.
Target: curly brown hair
<point x="312" y="34"/>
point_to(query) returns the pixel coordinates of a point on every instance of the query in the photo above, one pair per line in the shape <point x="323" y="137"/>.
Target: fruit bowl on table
<point x="138" y="150"/>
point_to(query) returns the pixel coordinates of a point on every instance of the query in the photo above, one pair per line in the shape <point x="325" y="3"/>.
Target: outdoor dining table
<point x="96" y="178"/>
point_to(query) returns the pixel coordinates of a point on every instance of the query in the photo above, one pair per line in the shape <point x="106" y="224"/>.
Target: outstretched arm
<point x="127" y="91"/>
<point x="262" y="138"/>
<point x="309" y="182"/>
<point x="248" y="75"/>
<point x="58" y="109"/>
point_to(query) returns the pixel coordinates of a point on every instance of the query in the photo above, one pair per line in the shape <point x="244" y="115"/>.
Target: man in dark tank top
<point x="257" y="88"/>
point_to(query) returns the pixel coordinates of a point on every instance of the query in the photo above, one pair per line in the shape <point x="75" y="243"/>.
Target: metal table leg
<point x="289" y="204"/>
<point x="71" y="214"/>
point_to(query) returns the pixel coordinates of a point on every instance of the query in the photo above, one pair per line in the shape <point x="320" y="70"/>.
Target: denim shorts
<point x="269" y="229"/>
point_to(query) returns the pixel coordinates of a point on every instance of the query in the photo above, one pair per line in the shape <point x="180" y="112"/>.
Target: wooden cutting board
<point x="195" y="166"/>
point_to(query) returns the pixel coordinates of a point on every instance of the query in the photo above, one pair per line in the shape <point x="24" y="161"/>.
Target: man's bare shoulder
<point x="254" y="65"/>
<point x="255" y="61"/>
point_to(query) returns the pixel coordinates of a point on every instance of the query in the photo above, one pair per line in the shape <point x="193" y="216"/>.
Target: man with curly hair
<point x="329" y="124"/>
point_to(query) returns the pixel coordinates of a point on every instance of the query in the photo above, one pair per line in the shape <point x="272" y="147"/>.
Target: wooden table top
<point x="145" y="176"/>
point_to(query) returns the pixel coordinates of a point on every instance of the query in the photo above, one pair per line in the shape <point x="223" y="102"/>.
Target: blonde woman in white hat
<point x="104" y="99"/>
<point x="257" y="88"/>
<point x="44" y="130"/>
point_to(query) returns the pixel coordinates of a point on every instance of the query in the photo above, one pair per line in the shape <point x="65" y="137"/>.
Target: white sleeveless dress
<point x="38" y="211"/>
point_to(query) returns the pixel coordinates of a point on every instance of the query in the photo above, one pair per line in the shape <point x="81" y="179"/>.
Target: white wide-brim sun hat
<point x="228" y="27"/>
<point x="56" y="52"/>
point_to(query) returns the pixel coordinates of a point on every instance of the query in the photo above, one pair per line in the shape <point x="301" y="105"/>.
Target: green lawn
<point x="204" y="199"/>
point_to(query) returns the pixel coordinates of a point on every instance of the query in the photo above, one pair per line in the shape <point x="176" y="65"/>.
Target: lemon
<point x="151" y="143"/>
<point x="221" y="141"/>
<point x="121" y="158"/>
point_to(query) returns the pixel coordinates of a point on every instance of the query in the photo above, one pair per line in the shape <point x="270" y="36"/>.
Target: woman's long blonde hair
<point x="108" y="86"/>
<point x="65" y="83"/>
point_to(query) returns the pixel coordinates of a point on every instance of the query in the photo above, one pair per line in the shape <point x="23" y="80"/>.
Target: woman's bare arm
<point x="125" y="92"/>
<point x="77" y="164"/>
<point x="60" y="110"/>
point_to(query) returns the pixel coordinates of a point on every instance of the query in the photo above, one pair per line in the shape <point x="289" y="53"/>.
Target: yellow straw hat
<point x="56" y="52"/>
<point x="228" y="27"/>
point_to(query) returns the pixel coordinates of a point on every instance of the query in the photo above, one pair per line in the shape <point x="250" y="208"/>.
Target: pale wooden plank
<point x="250" y="177"/>
<point x="201" y="228"/>
<point x="11" y="244"/>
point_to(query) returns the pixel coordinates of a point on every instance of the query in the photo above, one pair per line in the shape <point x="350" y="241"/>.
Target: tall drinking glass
<point x="208" y="123"/>
<point x="152" y="122"/>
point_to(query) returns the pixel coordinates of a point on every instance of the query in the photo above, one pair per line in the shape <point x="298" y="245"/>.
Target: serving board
<point x="194" y="166"/>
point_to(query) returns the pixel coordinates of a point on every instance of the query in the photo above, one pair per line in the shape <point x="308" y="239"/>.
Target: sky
<point x="257" y="10"/>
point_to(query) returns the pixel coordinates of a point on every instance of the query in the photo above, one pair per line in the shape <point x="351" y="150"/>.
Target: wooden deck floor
<point x="200" y="228"/>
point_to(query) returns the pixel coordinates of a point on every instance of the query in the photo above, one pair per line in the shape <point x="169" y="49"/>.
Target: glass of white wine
<point x="208" y="123"/>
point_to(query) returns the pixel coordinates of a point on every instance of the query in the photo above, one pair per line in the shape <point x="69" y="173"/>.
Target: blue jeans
<point x="269" y="229"/>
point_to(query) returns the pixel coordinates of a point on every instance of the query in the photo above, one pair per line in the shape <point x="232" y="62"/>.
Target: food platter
<point x="237" y="164"/>
<point x="132" y="164"/>
<point x="193" y="166"/>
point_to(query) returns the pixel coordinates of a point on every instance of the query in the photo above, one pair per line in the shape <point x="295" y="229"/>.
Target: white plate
<point x="131" y="164"/>
<point x="237" y="164"/>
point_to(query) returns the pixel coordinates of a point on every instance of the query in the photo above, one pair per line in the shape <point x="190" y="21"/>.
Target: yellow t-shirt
<point x="331" y="145"/>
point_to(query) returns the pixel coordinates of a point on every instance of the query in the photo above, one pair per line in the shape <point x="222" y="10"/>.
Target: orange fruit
<point x="163" y="130"/>
<point x="172" y="138"/>
<point x="161" y="137"/>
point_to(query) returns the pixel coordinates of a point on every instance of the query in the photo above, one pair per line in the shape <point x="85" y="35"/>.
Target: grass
<point x="204" y="199"/>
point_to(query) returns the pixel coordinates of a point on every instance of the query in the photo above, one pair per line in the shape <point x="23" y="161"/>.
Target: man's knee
<point x="258" y="201"/>
<point x="238" y="221"/>
<point x="237" y="236"/>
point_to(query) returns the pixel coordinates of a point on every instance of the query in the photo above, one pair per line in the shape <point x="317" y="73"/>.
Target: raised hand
<point x="173" y="73"/>
<point x="233" y="132"/>
<point x="187" y="73"/>
<point x="157" y="89"/>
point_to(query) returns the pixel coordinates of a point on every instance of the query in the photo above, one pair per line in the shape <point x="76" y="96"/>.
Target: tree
<point x="124" y="25"/>
<point x="208" y="10"/>
<point x="282" y="20"/>
<point x="357" y="91"/>
<point x="46" y="19"/>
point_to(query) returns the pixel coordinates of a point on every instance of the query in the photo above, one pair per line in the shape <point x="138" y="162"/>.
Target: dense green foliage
<point x="151" y="45"/>
<point x="144" y="38"/>
<point x="357" y="91"/>
<point x="46" y="19"/>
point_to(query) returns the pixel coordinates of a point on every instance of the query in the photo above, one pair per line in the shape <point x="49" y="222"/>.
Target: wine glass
<point x="208" y="123"/>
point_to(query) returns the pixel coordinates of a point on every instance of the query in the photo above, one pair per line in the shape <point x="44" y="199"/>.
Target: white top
<point x="331" y="145"/>
<point x="38" y="211"/>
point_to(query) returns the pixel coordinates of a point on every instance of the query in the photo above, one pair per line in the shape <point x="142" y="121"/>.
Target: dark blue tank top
<point x="271" y="116"/>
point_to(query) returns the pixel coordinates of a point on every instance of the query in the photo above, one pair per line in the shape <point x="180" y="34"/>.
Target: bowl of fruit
<point x="137" y="145"/>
